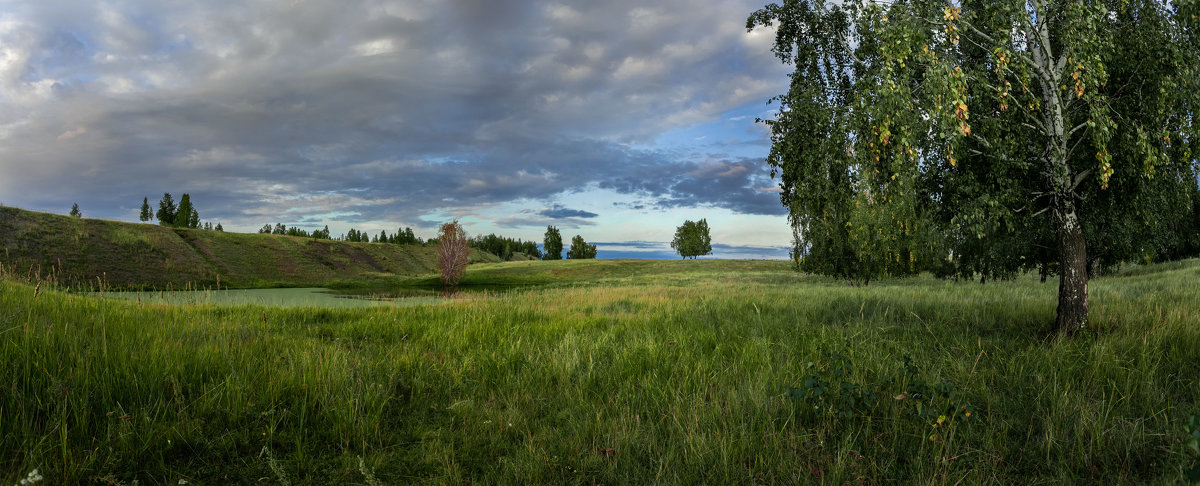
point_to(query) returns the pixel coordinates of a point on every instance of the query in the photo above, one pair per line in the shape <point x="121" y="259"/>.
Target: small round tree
<point x="453" y="253"/>
<point x="692" y="239"/>
<point x="580" y="249"/>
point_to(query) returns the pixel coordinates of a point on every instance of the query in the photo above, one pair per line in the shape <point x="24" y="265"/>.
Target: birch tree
<point x="892" y="105"/>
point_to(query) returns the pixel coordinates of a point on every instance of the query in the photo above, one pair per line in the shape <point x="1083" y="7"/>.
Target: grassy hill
<point x="77" y="251"/>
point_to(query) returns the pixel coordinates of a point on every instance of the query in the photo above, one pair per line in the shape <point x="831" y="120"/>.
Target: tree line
<point x="506" y="248"/>
<point x="454" y="245"/>
<point x="552" y="246"/>
<point x="692" y="239"/>
<point x="509" y="249"/>
<point x="181" y="215"/>
<point x="402" y="236"/>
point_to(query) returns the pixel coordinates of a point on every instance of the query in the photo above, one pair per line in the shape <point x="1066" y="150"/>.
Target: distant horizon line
<point x="638" y="249"/>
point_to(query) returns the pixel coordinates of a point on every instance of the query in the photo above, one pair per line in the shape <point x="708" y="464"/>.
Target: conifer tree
<point x="145" y="214"/>
<point x="166" y="210"/>
<point x="183" y="213"/>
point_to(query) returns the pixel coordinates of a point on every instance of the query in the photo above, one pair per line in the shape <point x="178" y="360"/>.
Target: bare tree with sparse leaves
<point x="453" y="253"/>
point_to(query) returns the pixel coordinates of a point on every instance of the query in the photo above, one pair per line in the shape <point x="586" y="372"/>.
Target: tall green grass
<point x="677" y="373"/>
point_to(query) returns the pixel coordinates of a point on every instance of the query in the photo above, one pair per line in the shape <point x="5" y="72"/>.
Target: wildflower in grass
<point x="32" y="478"/>
<point x="366" y="472"/>
<point x="275" y="466"/>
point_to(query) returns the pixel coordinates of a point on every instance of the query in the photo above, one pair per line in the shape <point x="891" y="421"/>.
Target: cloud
<point x="557" y="211"/>
<point x="363" y="111"/>
<point x="734" y="184"/>
<point x="633" y="206"/>
<point x="535" y="222"/>
<point x="72" y="133"/>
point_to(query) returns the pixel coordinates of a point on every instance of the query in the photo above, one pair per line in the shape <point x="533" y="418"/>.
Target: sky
<point x="613" y="120"/>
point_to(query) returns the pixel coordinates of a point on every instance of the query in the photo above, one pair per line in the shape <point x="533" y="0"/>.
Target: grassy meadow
<point x="610" y="372"/>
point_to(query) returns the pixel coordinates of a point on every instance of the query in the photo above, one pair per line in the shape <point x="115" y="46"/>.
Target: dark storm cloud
<point x="372" y="110"/>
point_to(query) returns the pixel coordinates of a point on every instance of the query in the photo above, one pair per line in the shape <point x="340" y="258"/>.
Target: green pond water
<point x="303" y="297"/>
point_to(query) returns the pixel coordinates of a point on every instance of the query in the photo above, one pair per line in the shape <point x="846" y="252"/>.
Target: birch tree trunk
<point x="1072" y="248"/>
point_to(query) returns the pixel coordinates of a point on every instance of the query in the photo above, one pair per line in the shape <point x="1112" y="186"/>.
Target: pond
<point x="302" y="297"/>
